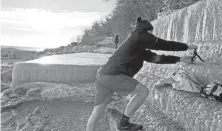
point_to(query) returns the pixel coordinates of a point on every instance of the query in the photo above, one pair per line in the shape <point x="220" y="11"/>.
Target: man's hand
<point x="186" y="59"/>
<point x="192" y="46"/>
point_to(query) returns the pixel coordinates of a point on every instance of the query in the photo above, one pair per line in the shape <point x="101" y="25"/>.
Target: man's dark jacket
<point x="128" y="58"/>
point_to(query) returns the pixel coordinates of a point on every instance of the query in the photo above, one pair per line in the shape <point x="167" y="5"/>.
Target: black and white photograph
<point x="111" y="65"/>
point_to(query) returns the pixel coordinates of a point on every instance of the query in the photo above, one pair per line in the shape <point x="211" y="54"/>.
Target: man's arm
<point x="159" y="59"/>
<point x="149" y="41"/>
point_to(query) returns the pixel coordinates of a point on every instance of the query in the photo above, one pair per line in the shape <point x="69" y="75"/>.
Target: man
<point x="117" y="74"/>
<point x="116" y="40"/>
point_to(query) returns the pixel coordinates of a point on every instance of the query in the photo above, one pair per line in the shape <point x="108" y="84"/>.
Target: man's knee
<point x="142" y="90"/>
<point x="108" y="99"/>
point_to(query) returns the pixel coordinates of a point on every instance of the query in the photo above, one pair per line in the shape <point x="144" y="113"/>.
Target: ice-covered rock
<point x="201" y="21"/>
<point x="199" y="24"/>
<point x="67" y="68"/>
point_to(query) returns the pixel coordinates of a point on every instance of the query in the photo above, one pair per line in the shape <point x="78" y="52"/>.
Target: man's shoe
<point x="125" y="125"/>
<point x="129" y="127"/>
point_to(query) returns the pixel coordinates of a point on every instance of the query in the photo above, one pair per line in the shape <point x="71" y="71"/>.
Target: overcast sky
<point x="48" y="23"/>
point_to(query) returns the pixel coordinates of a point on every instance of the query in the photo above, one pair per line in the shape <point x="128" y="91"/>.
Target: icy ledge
<point x="67" y="68"/>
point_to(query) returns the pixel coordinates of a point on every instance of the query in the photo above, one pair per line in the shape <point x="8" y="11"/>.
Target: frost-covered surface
<point x="148" y="115"/>
<point x="210" y="52"/>
<point x="212" y="72"/>
<point x="67" y="68"/>
<point x="201" y="21"/>
<point x="173" y="110"/>
<point x="199" y="24"/>
<point x="191" y="110"/>
<point x="73" y="59"/>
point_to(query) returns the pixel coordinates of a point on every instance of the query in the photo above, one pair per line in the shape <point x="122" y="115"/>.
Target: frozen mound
<point x="190" y="109"/>
<point x="201" y="21"/>
<point x="199" y="24"/>
<point x="210" y="52"/>
<point x="66" y="68"/>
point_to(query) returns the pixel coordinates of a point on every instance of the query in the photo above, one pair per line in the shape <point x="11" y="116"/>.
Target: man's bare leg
<point x="95" y="116"/>
<point x="97" y="112"/>
<point x="141" y="94"/>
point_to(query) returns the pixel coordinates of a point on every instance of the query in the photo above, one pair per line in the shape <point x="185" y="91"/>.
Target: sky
<point x="48" y="23"/>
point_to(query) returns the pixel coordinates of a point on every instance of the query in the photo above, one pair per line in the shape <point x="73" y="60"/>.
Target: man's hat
<point x="143" y="24"/>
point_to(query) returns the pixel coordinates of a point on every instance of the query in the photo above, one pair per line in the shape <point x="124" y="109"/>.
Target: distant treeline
<point x="122" y="18"/>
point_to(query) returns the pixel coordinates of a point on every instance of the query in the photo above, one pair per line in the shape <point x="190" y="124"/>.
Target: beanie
<point x="143" y="24"/>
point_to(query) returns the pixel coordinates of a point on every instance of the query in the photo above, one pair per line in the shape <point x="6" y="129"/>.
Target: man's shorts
<point x="106" y="85"/>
